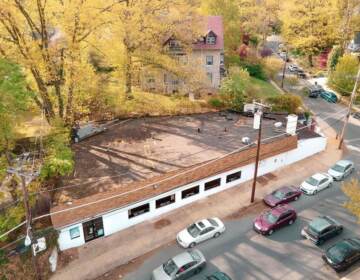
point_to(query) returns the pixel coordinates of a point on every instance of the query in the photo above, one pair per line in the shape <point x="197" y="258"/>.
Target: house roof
<point x="131" y="193"/>
<point x="212" y="24"/>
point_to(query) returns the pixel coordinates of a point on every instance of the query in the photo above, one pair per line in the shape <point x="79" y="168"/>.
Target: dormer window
<point x="210" y="40"/>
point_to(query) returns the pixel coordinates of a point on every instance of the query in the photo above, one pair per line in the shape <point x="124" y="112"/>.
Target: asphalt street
<point x="244" y="254"/>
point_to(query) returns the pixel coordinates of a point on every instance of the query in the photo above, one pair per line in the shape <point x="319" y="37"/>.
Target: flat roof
<point x="125" y="164"/>
<point x="139" y="149"/>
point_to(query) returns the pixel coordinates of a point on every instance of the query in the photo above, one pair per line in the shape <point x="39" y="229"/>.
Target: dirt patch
<point x="257" y="207"/>
<point x="162" y="223"/>
<point x="67" y="256"/>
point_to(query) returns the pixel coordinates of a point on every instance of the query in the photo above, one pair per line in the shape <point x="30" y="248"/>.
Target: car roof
<point x="344" y="162"/>
<point x="319" y="176"/>
<point x="320" y="223"/>
<point x="281" y="209"/>
<point x="203" y="224"/>
<point x="182" y="259"/>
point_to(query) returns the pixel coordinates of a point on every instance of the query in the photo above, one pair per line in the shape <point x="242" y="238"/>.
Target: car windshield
<point x="193" y="230"/>
<point x="169" y="267"/>
<point x="279" y="194"/>
<point x="338" y="168"/>
<point x="271" y="218"/>
<point x="312" y="181"/>
<point x="213" y="222"/>
<point x="195" y="256"/>
<point x="318" y="225"/>
<point x="339" y="252"/>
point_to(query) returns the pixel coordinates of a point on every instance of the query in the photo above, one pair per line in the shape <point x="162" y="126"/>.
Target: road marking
<point x="353" y="148"/>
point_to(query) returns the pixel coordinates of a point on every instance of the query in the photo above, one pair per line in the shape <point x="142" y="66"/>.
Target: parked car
<point x="301" y="74"/>
<point x="341" y="169"/>
<point x="182" y="266"/>
<point x="293" y="68"/>
<point x="275" y="218"/>
<point x="329" y="96"/>
<point x="218" y="275"/>
<point x="282" y="195"/>
<point x="356" y="115"/>
<point x="200" y="231"/>
<point x="343" y="254"/>
<point x="315" y="91"/>
<point x="316" y="183"/>
<point x="83" y="132"/>
<point x="321" y="229"/>
<point x="284" y="56"/>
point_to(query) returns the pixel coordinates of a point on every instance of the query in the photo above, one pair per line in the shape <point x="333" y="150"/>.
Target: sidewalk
<point x="104" y="254"/>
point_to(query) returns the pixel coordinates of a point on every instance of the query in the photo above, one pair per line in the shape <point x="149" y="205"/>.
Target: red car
<point x="275" y="218"/>
<point x="282" y="195"/>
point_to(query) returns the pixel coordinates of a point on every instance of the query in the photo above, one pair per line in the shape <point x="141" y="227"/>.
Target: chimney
<point x="291" y="124"/>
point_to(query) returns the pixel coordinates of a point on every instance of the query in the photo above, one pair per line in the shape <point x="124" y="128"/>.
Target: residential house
<point x="206" y="59"/>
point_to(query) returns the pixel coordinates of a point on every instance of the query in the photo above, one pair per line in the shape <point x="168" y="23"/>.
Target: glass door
<point x="93" y="229"/>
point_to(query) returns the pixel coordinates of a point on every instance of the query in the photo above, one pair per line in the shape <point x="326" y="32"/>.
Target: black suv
<point x="321" y="229"/>
<point x="343" y="254"/>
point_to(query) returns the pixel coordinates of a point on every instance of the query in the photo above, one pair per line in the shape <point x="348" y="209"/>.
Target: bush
<point x="334" y="57"/>
<point x="265" y="52"/>
<point x="255" y="70"/>
<point x="233" y="88"/>
<point x="272" y="66"/>
<point x="285" y="103"/>
<point x="292" y="80"/>
<point x="216" y="103"/>
<point x="59" y="159"/>
<point x="343" y="77"/>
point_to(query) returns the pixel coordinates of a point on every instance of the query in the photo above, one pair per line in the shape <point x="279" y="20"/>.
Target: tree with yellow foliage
<point x="141" y="28"/>
<point x="309" y="26"/>
<point x="51" y="40"/>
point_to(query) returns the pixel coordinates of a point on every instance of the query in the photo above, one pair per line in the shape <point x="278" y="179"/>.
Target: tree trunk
<point x="60" y="99"/>
<point x="128" y="74"/>
<point x="310" y="58"/>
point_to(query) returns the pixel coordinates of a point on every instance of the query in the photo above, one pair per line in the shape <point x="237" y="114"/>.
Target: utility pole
<point x="257" y="161"/>
<point x="29" y="240"/>
<point x="284" y="70"/>
<point x="346" y="121"/>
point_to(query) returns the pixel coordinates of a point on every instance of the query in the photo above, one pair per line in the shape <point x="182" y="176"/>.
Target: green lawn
<point x="264" y="89"/>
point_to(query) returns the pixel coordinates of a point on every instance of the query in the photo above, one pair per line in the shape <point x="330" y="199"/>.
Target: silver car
<point x="341" y="169"/>
<point x="180" y="267"/>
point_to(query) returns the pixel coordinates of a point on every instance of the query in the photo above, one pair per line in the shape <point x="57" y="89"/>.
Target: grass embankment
<point x="264" y="89"/>
<point x="152" y="104"/>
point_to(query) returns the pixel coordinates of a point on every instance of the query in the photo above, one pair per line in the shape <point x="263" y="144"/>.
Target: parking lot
<point x="244" y="254"/>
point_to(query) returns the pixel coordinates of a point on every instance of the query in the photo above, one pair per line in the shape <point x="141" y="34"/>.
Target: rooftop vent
<point x="245" y="140"/>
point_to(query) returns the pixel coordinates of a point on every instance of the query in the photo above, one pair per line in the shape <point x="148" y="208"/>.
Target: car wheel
<point x="270" y="232"/>
<point x="197" y="271"/>
<point x="291" y="222"/>
<point x="315" y="192"/>
<point x="192" y="245"/>
<point x="216" y="235"/>
<point x="329" y="185"/>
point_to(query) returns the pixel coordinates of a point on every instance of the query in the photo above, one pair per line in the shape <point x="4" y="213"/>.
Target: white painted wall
<point x="64" y="240"/>
<point x="117" y="220"/>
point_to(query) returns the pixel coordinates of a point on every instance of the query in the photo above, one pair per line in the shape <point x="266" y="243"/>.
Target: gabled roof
<point x="213" y="24"/>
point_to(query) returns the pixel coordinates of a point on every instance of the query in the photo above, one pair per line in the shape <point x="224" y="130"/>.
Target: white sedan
<point x="341" y="169"/>
<point x="200" y="231"/>
<point x="316" y="183"/>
